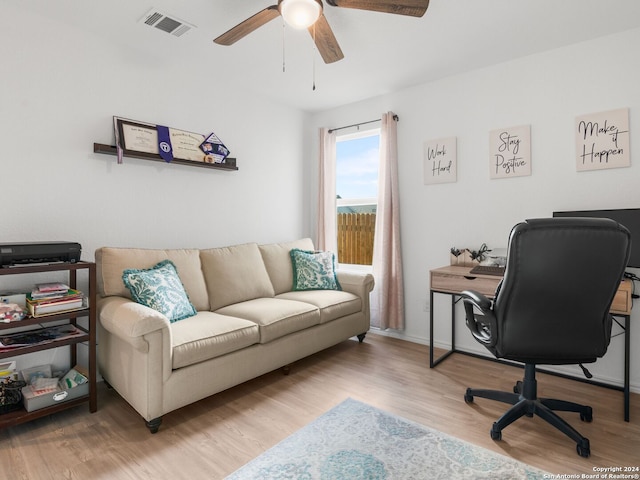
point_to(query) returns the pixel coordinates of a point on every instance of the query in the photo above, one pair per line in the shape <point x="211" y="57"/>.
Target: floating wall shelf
<point x="111" y="150"/>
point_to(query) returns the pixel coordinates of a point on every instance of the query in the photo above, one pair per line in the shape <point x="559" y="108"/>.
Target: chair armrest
<point x="130" y="321"/>
<point x="477" y="298"/>
<point x="483" y="325"/>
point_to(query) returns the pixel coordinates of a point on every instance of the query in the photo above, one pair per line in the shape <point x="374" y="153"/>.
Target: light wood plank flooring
<point x="215" y="436"/>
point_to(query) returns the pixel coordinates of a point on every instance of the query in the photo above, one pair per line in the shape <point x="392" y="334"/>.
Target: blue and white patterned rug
<point x="354" y="441"/>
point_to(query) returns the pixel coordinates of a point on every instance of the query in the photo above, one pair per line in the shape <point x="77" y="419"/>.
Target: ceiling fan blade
<point x="413" y="8"/>
<point x="325" y="40"/>
<point x="249" y="25"/>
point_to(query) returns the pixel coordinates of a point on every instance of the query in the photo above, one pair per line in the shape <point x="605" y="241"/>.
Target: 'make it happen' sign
<point x="602" y="140"/>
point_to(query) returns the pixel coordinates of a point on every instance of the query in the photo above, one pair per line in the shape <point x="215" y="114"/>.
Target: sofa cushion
<point x="314" y="270"/>
<point x="160" y="288"/>
<point x="112" y="262"/>
<point x="332" y="303"/>
<point x="235" y="274"/>
<point x="277" y="261"/>
<point x="275" y="317"/>
<point x="209" y="335"/>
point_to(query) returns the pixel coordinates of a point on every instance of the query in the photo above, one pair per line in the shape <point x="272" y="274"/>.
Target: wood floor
<point x="214" y="437"/>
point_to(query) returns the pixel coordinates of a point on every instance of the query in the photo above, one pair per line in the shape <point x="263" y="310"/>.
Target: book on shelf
<point x="59" y="305"/>
<point x="51" y="287"/>
<point x="49" y="290"/>
<point x="71" y="300"/>
<point x="68" y="294"/>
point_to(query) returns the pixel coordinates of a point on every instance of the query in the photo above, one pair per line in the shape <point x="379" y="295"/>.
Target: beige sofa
<point x="248" y="322"/>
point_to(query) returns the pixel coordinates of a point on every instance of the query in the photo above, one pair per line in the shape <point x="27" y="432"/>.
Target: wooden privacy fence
<point x="355" y="238"/>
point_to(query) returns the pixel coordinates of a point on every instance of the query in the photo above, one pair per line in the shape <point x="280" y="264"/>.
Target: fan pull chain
<point x="284" y="27"/>
<point x="314" y="57"/>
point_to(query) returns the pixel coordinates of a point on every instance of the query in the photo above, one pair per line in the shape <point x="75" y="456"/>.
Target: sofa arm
<point x="134" y="353"/>
<point x="130" y="321"/>
<point x="360" y="284"/>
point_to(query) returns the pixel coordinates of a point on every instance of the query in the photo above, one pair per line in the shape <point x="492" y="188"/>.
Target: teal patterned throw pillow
<point x="314" y="270"/>
<point x="160" y="288"/>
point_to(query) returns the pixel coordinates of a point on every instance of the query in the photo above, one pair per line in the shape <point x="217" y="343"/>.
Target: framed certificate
<point x="137" y="137"/>
<point x="186" y="145"/>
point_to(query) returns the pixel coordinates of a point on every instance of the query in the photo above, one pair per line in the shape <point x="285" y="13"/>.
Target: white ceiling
<point x="383" y="52"/>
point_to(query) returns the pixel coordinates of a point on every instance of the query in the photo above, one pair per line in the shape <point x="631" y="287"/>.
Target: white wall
<point x="60" y="88"/>
<point x="546" y="91"/>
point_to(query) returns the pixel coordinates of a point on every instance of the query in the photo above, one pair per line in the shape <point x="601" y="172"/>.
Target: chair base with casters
<point x="525" y="401"/>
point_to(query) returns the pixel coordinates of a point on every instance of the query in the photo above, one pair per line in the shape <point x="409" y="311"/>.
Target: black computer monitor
<point x="629" y="217"/>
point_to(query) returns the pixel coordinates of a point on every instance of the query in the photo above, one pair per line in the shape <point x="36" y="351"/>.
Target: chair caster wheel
<point x="517" y="387"/>
<point x="583" y="448"/>
<point x="587" y="416"/>
<point x="468" y="398"/>
<point x="495" y="433"/>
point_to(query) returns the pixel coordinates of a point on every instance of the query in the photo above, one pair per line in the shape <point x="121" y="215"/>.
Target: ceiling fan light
<point x="300" y="13"/>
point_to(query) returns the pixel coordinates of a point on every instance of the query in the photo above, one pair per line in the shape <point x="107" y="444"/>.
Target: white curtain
<point x="327" y="232"/>
<point x="387" y="298"/>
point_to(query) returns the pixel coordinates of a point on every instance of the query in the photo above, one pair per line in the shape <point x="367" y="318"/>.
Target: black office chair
<point x="551" y="307"/>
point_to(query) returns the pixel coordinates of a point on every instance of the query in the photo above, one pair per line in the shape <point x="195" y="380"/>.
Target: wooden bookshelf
<point x="87" y="337"/>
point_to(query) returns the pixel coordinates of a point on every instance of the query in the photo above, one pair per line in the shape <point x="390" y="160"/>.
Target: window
<point x="357" y="161"/>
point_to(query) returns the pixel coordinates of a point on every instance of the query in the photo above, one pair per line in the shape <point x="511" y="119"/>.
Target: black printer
<point x="39" y="252"/>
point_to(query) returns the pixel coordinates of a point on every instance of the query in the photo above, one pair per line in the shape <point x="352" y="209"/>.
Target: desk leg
<point x="432" y="362"/>
<point x="627" y="346"/>
<point x="453" y="323"/>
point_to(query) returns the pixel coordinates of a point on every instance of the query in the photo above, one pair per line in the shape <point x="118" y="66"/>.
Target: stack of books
<point x="50" y="298"/>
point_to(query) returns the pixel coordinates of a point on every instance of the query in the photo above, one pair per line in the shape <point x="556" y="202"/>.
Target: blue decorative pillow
<point x="160" y="288"/>
<point x="314" y="270"/>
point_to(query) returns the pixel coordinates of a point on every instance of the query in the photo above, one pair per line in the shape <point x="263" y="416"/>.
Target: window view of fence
<point x="355" y="238"/>
<point x="357" y="161"/>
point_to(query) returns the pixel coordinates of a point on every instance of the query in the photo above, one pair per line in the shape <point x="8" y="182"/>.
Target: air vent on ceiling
<point x="166" y="23"/>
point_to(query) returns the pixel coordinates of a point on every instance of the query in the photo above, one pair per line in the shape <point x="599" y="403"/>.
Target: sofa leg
<point x="286" y="369"/>
<point x="154" y="424"/>
<point x="361" y="337"/>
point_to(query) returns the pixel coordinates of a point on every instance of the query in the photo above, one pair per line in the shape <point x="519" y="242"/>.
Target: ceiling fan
<point x="309" y="14"/>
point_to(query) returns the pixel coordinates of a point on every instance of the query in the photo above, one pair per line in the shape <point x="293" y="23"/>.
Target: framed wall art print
<point x="602" y="140"/>
<point x="440" y="163"/>
<point x="510" y="152"/>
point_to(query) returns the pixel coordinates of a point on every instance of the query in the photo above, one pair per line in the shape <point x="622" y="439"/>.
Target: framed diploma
<point x="137" y="137"/>
<point x="186" y="145"/>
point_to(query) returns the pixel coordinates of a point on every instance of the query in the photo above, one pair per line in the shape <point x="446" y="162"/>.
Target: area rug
<point x="354" y="441"/>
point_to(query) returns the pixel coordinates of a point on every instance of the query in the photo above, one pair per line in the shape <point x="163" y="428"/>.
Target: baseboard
<point x="566" y="370"/>
<point x="400" y="336"/>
